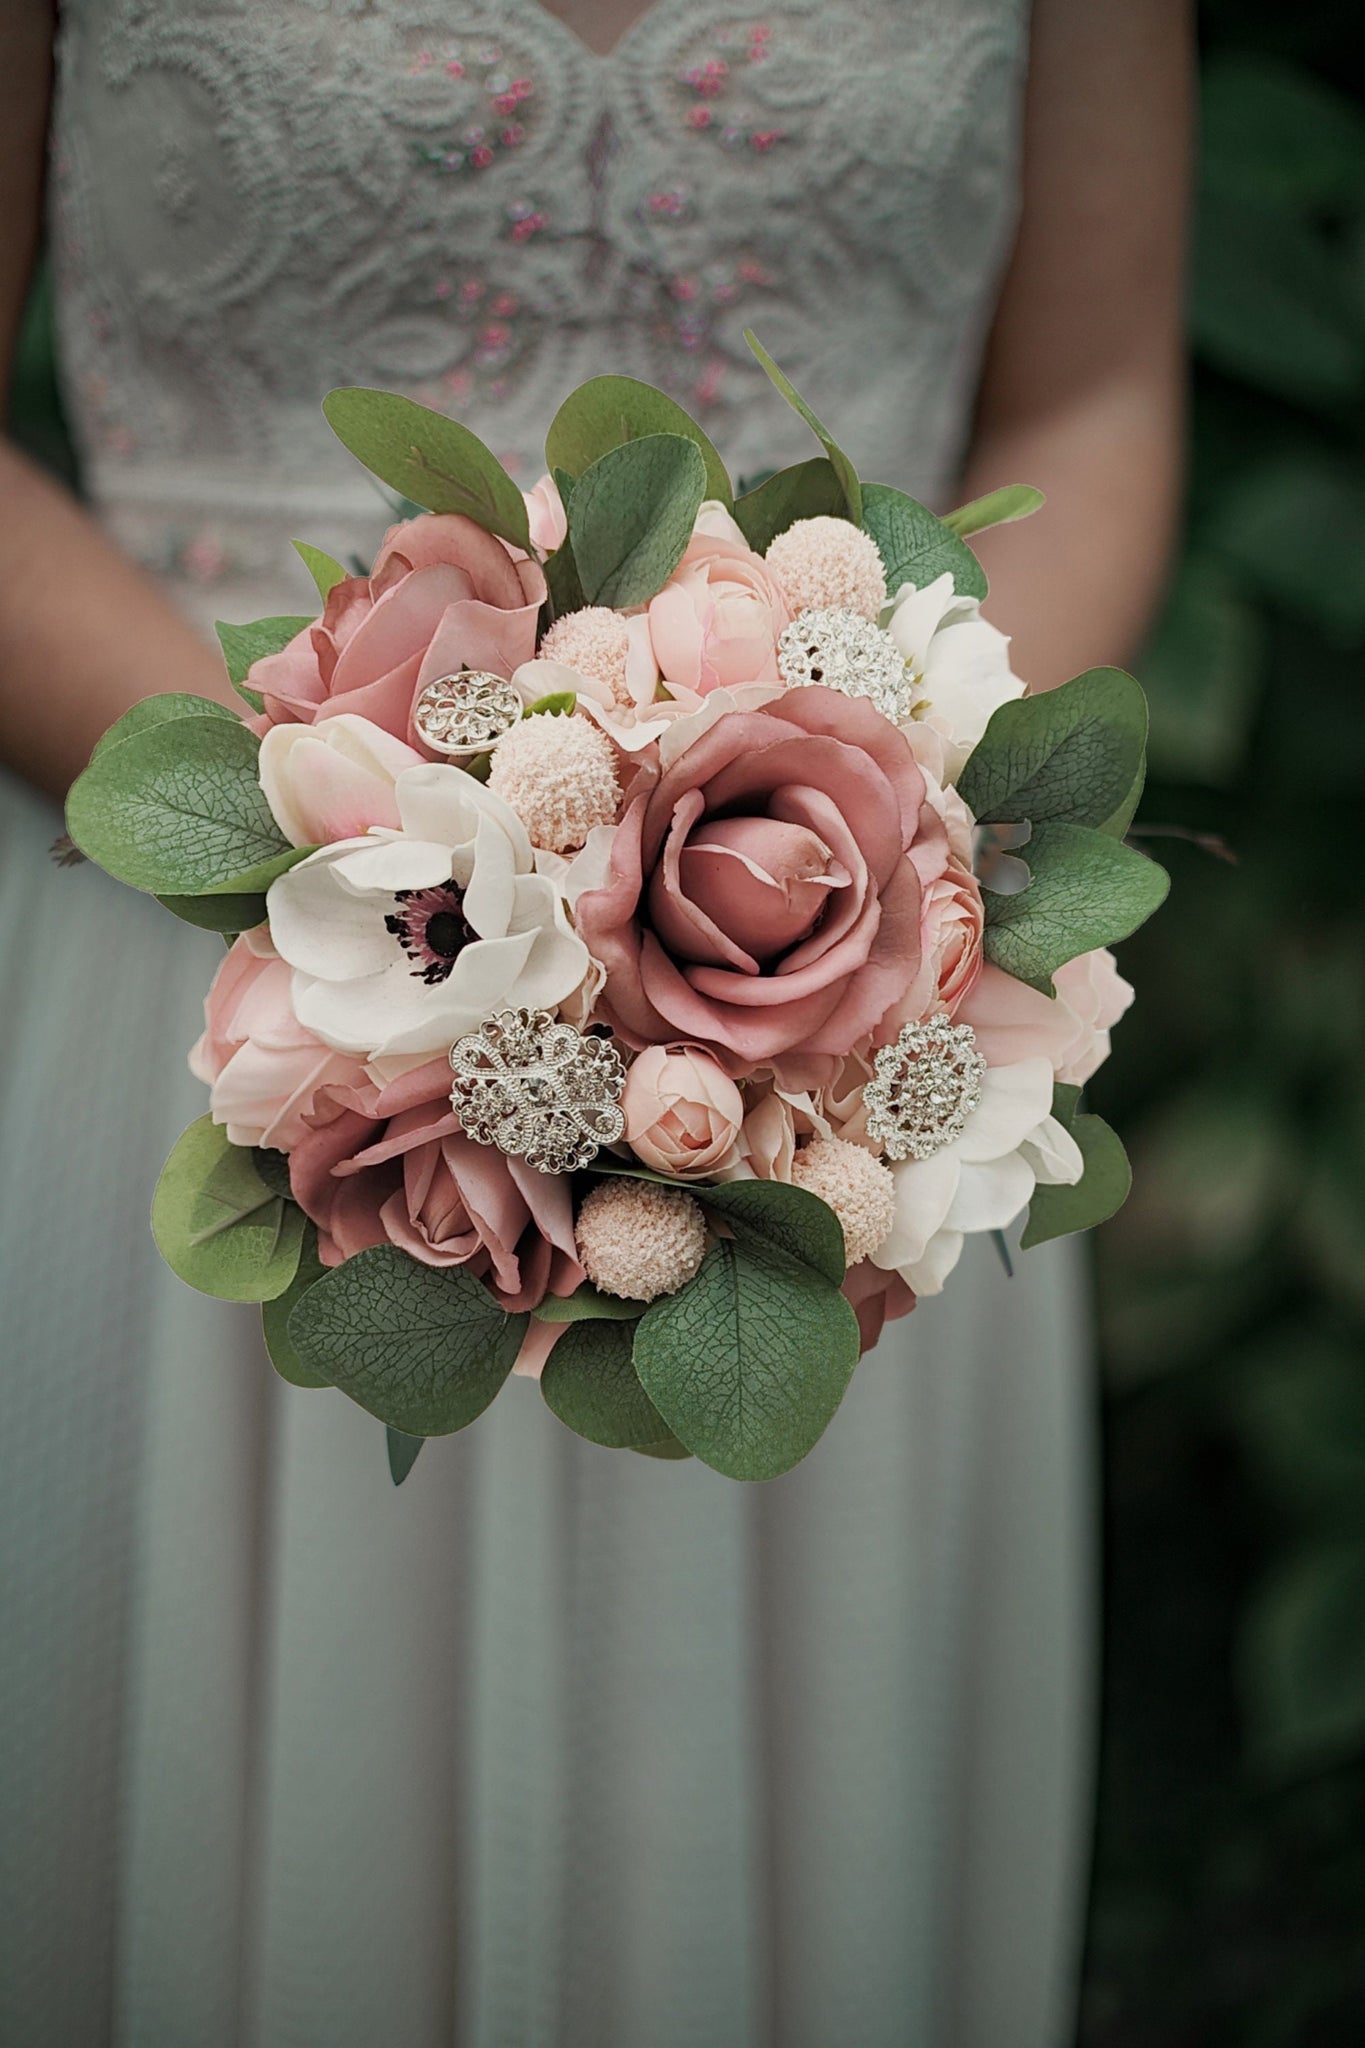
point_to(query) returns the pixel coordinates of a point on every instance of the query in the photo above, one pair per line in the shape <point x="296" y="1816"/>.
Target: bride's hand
<point x="83" y="633"/>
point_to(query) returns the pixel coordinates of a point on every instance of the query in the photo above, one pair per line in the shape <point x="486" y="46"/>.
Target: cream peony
<point x="960" y="664"/>
<point x="983" y="1179"/>
<point x="403" y="939"/>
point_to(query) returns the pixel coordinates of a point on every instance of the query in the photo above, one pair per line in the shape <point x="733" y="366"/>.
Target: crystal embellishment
<point x="844" y="651"/>
<point x="466" y="713"/>
<point x="924" y="1088"/>
<point x="538" y="1090"/>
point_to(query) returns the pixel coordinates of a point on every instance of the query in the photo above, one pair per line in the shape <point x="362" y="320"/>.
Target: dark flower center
<point x="431" y="927"/>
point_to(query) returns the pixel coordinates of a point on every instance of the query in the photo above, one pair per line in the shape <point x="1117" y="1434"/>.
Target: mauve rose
<point x="442" y="595"/>
<point x="265" y="1070"/>
<point x="876" y="1299"/>
<point x="716" y="621"/>
<point x="683" y="1112"/>
<point x="393" y="1167"/>
<point x="1071" y="1029"/>
<point x="765" y="894"/>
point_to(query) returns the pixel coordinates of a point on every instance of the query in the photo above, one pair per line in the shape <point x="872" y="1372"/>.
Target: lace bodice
<point x="254" y="200"/>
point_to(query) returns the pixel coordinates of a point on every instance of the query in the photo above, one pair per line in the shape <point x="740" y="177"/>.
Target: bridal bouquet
<point x="660" y="929"/>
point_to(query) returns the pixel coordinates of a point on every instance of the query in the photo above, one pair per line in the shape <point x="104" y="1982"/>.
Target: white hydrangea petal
<point x="928" y="1274"/>
<point x="990" y="1196"/>
<point x="1014" y="1101"/>
<point x="924" y="1194"/>
<point x="1053" y="1154"/>
<point x="320" y="925"/>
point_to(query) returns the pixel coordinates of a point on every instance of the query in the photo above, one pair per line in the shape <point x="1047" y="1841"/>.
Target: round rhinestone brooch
<point x="924" y="1088"/>
<point x="844" y="651"/>
<point x="466" y="713"/>
<point x="538" y="1090"/>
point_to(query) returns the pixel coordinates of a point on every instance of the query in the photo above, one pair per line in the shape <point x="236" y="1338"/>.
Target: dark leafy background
<point x="1229" y="1891"/>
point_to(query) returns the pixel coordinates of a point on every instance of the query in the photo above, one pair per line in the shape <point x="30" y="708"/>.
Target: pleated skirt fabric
<point x="553" y="1747"/>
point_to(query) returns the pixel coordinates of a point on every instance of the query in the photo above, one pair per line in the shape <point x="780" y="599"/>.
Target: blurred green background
<point x="1228" y="1908"/>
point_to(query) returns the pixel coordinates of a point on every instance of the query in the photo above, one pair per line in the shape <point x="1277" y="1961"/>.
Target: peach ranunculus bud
<point x="546" y="516"/>
<point x="716" y="621"/>
<point x="683" y="1112"/>
<point x="332" y="780"/>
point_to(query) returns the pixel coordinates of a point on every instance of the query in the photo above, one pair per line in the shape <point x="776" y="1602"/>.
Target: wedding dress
<point x="554" y="1747"/>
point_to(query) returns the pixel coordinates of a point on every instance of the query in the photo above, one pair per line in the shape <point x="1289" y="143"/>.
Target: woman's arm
<point x="1083" y="390"/>
<point x="83" y="634"/>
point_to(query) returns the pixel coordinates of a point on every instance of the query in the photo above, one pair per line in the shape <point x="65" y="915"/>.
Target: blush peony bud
<point x="683" y="1112"/>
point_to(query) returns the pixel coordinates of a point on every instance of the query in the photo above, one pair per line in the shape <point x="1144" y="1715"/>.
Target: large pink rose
<point x="716" y="621"/>
<point x="394" y="1167"/>
<point x="442" y="595"/>
<point x="266" y="1071"/>
<point x="1071" y="1029"/>
<point x="765" y="894"/>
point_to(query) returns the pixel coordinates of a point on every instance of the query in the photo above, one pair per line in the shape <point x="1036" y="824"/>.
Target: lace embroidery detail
<point x="255" y="201"/>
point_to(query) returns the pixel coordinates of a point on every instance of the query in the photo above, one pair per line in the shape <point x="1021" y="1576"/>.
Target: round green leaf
<point x="275" y="1317"/>
<point x="161" y="710"/>
<point x="431" y="459"/>
<point x="1074" y="753"/>
<point x="1086" y="890"/>
<point x="808" y="490"/>
<point x="606" y="412"/>
<point x="243" y="645"/>
<point x="916" y="546"/>
<point x="229" y="914"/>
<point x="178" y="810"/>
<point x="748" y="1362"/>
<point x="423" y="1348"/>
<point x="586" y="1305"/>
<point x="788" y="1220"/>
<point x="216" y="1223"/>
<point x="632" y="516"/>
<point x="590" y="1383"/>
<point x="1101" y="1189"/>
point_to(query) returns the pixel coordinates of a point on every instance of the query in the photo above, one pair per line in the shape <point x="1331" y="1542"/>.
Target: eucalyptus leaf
<point x="808" y="490"/>
<point x="562" y="582"/>
<point x="216" y="1223"/>
<point x="915" y="545"/>
<point x="218" y="913"/>
<point x="424" y="1349"/>
<point x="1102" y="1188"/>
<point x="586" y="1305"/>
<point x="402" y="1453"/>
<point x="607" y="412"/>
<point x="591" y="1384"/>
<point x="325" y="570"/>
<point x="843" y="468"/>
<point x="671" y="1449"/>
<point x="243" y="645"/>
<point x="275" y="1316"/>
<point x="748" y="1362"/>
<point x="429" y="458"/>
<point x="1075" y="753"/>
<point x="160" y="710"/>
<point x="1085" y="890"/>
<point x="559" y="704"/>
<point x="785" y="1219"/>
<point x="997" y="508"/>
<point x="632" y="516"/>
<point x="178" y="810"/>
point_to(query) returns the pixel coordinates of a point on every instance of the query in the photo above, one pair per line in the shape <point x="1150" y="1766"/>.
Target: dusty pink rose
<point x="442" y="595"/>
<point x="683" y="1112"/>
<point x="265" y="1070"/>
<point x="716" y="621"/>
<point x="546" y="516"/>
<point x="876" y="1298"/>
<point x="332" y="780"/>
<point x="765" y="893"/>
<point x="1014" y="1022"/>
<point x="393" y="1167"/>
<point x="952" y="921"/>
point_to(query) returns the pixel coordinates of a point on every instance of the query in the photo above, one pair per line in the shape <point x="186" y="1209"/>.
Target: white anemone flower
<point x="960" y="664"/>
<point x="403" y="940"/>
<point x="981" y="1181"/>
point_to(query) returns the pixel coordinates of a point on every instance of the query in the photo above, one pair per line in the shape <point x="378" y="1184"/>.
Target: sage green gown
<point x="554" y="1748"/>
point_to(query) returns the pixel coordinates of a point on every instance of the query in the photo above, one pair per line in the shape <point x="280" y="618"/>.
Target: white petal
<point x="927" y="1274"/>
<point x="1053" y="1154"/>
<point x="439" y="801"/>
<point x="320" y="925"/>
<point x="1014" y="1101"/>
<point x="924" y="1194"/>
<point x="381" y="867"/>
<point x="359" y="1015"/>
<point x="988" y="1197"/>
<point x="490" y="879"/>
<point x="915" y="616"/>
